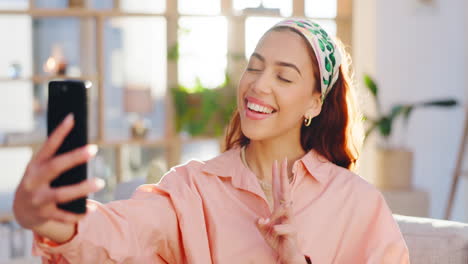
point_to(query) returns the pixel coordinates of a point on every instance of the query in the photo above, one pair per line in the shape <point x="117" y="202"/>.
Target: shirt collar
<point x="229" y="165"/>
<point x="316" y="165"/>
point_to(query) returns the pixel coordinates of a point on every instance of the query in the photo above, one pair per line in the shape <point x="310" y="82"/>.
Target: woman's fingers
<point x="69" y="193"/>
<point x="283" y="230"/>
<point x="272" y="232"/>
<point x="66" y="217"/>
<point x="42" y="196"/>
<point x="284" y="181"/>
<point x="54" y="167"/>
<point x="50" y="147"/>
<point x="264" y="227"/>
<point x="275" y="183"/>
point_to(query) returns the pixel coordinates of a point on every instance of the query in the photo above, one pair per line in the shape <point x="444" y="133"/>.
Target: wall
<point x="420" y="54"/>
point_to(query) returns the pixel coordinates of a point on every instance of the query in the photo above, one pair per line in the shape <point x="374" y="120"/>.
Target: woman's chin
<point x="255" y="133"/>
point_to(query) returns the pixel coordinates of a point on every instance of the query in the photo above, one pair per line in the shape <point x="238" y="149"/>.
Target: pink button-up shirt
<point x="205" y="212"/>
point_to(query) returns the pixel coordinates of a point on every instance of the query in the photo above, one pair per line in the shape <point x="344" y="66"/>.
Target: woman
<point x="282" y="192"/>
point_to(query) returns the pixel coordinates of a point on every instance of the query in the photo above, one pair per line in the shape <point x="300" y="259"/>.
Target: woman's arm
<point x="138" y="230"/>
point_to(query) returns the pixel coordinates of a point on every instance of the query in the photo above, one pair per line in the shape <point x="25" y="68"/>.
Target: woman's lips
<point x="258" y="102"/>
<point x="253" y="115"/>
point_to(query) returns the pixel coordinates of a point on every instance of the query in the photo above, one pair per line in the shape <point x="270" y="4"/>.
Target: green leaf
<point x="406" y="114"/>
<point x="325" y="81"/>
<point x="370" y="84"/>
<point x="441" y="103"/>
<point x="333" y="59"/>
<point x="397" y="110"/>
<point x="385" y="126"/>
<point x="173" y="52"/>
<point x="327" y="64"/>
<point x="322" y="46"/>
<point x="324" y="33"/>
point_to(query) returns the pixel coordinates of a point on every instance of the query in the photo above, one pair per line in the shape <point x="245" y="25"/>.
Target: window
<point x="200" y="7"/>
<point x="203" y="51"/>
<point x="14" y="4"/>
<point x="321" y="8"/>
<point x="324" y="12"/>
<point x="255" y="27"/>
<point x="142" y="6"/>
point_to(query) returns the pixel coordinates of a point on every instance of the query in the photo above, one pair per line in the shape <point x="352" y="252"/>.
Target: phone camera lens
<point x="64" y="88"/>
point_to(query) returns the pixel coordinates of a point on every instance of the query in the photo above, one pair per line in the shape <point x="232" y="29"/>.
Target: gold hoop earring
<point x="307" y="121"/>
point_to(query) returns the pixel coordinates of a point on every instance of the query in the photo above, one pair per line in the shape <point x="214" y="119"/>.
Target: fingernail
<point x="69" y="119"/>
<point x="99" y="183"/>
<point x="92" y="150"/>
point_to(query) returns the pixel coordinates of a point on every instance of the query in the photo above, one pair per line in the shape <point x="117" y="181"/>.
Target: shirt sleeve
<point x="385" y="243"/>
<point x="370" y="235"/>
<point x="143" y="229"/>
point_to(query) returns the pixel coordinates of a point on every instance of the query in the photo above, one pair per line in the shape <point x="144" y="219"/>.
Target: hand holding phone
<point x="69" y="97"/>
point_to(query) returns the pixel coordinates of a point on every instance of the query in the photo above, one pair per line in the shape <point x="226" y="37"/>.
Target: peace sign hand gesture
<point x="278" y="230"/>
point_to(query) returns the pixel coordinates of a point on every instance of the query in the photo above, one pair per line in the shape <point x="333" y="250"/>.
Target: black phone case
<point x="69" y="97"/>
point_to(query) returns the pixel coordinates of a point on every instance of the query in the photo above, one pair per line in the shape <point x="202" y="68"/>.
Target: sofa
<point x="433" y="241"/>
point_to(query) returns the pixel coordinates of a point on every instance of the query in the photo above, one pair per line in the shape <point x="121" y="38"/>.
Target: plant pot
<point x="393" y="169"/>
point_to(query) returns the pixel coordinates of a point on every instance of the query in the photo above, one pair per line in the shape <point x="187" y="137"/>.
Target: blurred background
<point x="164" y="74"/>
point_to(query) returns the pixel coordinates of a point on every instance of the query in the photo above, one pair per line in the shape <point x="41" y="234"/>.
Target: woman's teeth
<point x="259" y="108"/>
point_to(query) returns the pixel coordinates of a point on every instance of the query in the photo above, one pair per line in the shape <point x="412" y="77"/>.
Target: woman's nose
<point x="262" y="85"/>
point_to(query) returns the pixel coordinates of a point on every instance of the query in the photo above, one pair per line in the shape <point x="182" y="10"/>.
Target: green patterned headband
<point x="326" y="51"/>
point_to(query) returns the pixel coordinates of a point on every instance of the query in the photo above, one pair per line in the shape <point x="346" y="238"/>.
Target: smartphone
<point x="65" y="97"/>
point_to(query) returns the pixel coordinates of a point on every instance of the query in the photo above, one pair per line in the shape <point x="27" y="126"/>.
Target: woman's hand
<point x="35" y="201"/>
<point x="278" y="230"/>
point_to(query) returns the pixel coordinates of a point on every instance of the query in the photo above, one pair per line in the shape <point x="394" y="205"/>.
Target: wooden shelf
<point x="110" y="143"/>
<point x="44" y="78"/>
<point x="76" y="12"/>
<point x="142" y="142"/>
<point x="107" y="143"/>
<point x="90" y="13"/>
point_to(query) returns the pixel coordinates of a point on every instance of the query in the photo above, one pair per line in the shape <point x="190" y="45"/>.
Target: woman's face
<point x="277" y="91"/>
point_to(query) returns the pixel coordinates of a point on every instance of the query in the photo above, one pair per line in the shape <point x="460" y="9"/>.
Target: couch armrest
<point x="432" y="241"/>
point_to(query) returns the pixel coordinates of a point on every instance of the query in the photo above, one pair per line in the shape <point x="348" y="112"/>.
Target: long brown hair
<point x="336" y="133"/>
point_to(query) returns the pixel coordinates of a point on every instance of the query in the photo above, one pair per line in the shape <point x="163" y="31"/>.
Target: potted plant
<point x="394" y="164"/>
<point x="203" y="111"/>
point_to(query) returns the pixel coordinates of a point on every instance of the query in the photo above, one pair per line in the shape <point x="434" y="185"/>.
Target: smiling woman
<point x="282" y="192"/>
<point x="273" y="74"/>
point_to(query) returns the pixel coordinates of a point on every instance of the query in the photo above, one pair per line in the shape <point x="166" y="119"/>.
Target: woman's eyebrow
<point x="280" y="63"/>
<point x="287" y="64"/>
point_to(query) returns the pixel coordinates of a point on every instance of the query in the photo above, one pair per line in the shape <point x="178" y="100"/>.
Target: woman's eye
<point x="284" y="80"/>
<point x="252" y="69"/>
